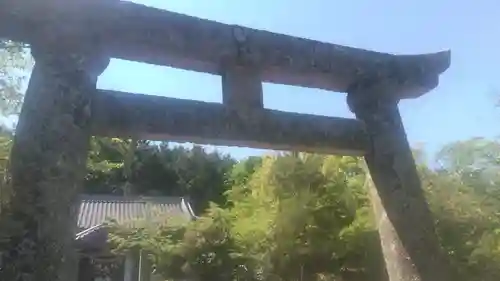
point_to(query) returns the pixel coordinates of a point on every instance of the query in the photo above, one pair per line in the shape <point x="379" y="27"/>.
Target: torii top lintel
<point x="136" y="32"/>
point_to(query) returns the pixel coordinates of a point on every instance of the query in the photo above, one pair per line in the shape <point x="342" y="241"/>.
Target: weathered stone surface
<point x="86" y="269"/>
<point x="161" y="118"/>
<point x="48" y="161"/>
<point x="145" y="267"/>
<point x="393" y="170"/>
<point x="136" y="32"/>
<point x="242" y="88"/>
<point x="398" y="264"/>
<point x="131" y="266"/>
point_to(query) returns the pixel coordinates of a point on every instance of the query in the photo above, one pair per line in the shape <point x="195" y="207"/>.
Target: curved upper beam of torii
<point x="139" y="33"/>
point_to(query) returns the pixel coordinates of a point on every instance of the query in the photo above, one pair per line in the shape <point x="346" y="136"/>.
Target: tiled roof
<point x="96" y="209"/>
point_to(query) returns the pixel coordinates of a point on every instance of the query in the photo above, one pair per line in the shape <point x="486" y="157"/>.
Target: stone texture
<point x="242" y="88"/>
<point x="398" y="264"/>
<point x="131" y="266"/>
<point x="393" y="170"/>
<point x="135" y="32"/>
<point x="48" y="161"/>
<point x="86" y="269"/>
<point x="145" y="267"/>
<point x="160" y="118"/>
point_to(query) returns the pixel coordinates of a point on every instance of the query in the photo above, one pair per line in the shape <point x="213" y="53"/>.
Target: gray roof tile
<point x="94" y="210"/>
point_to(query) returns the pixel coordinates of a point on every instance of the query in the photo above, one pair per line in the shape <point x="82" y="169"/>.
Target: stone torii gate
<point x="72" y="42"/>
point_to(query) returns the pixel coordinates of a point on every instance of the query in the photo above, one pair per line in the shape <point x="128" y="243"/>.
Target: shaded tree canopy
<point x="158" y="169"/>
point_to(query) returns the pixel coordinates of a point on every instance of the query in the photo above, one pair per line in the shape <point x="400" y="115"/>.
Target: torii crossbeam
<point x="72" y="43"/>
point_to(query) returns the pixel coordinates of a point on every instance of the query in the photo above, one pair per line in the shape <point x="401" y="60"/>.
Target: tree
<point x="14" y="62"/>
<point x="475" y="163"/>
<point x="159" y="169"/>
<point x="238" y="177"/>
<point x="199" y="250"/>
<point x="242" y="171"/>
<point x="306" y="216"/>
<point x="5" y="147"/>
<point x="105" y="165"/>
<point x="201" y="175"/>
<point x="462" y="223"/>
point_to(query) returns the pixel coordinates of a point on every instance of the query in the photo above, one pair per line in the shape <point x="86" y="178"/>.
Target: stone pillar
<point x="242" y="88"/>
<point x="48" y="161"/>
<point x="131" y="266"/>
<point x="393" y="170"/>
<point x="144" y="267"/>
<point x="396" y="259"/>
<point x="86" y="269"/>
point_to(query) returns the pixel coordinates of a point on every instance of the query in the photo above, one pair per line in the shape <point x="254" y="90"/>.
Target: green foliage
<point x="302" y="216"/>
<point x="105" y="160"/>
<point x="13" y="63"/>
<point x="158" y="169"/>
<point x="14" y="60"/>
<point x="201" y="250"/>
<point x="5" y="147"/>
<point x="465" y="197"/>
<point x="295" y="217"/>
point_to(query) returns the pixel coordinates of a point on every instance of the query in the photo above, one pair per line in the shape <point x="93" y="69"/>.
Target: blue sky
<point x="461" y="107"/>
